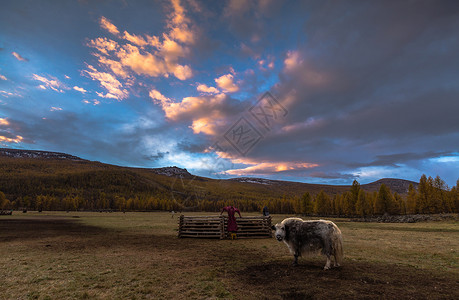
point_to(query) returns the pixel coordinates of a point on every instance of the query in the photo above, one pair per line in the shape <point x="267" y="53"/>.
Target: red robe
<point x="232" y="225"/>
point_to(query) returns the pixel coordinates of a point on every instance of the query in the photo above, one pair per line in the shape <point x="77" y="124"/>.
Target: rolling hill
<point x="27" y="174"/>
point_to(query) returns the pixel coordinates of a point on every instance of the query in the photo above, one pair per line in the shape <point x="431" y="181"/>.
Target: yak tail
<point x="337" y="240"/>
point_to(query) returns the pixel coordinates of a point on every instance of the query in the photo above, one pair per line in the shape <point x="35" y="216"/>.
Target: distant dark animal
<point x="303" y="237"/>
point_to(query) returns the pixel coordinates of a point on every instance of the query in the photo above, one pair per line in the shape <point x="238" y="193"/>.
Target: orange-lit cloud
<point x="183" y="72"/>
<point x="50" y="83"/>
<point x="159" y="98"/>
<point x="19" y="57"/>
<point x="206" y="113"/>
<point x="142" y="54"/>
<point x="2" y="77"/>
<point x="103" y="45"/>
<point x="16" y="139"/>
<point x="135" y="39"/>
<point x="4" y="122"/>
<point x="207" y="125"/>
<point x="107" y="25"/>
<point x="263" y="168"/>
<point x="115" y="66"/>
<point x="207" y="89"/>
<point x="226" y="83"/>
<point x="142" y="64"/>
<point x="53" y="108"/>
<point x="180" y="24"/>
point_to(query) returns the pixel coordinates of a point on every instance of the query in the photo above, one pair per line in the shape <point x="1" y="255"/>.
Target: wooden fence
<point x="215" y="227"/>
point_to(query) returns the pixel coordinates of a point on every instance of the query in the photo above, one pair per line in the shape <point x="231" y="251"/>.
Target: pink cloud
<point x="109" y="82"/>
<point x="79" y="89"/>
<point x="19" y="57"/>
<point x="50" y="83"/>
<point x="265" y="168"/>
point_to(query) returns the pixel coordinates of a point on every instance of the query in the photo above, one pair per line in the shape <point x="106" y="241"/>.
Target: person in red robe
<point x="232" y="224"/>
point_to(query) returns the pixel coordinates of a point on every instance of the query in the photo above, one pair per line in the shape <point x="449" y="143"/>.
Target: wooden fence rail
<point x="215" y="227"/>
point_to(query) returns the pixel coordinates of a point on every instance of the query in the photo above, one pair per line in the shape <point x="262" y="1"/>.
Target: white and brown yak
<point x="304" y="237"/>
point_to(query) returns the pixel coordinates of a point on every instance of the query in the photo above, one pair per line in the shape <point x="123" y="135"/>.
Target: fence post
<point x="180" y="226"/>
<point x="222" y="228"/>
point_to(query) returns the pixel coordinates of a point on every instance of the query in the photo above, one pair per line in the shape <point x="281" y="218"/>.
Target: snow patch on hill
<point x="16" y="153"/>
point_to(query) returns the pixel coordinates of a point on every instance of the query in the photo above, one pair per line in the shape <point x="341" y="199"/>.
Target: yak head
<point x="281" y="231"/>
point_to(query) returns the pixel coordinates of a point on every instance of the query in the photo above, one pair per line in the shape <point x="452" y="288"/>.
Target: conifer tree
<point x="411" y="200"/>
<point x="306" y="206"/>
<point x="362" y="206"/>
<point x="423" y="195"/>
<point x="383" y="201"/>
<point x="322" y="204"/>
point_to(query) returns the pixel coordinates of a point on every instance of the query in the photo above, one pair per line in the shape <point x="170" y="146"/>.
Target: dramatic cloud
<point x="370" y="89"/>
<point x="144" y="55"/>
<point x="207" y="114"/>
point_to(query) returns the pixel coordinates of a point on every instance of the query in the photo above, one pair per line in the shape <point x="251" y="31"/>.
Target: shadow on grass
<point x="355" y="280"/>
<point x="42" y="228"/>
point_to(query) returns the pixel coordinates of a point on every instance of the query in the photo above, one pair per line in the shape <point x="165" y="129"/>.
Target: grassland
<point x="138" y="256"/>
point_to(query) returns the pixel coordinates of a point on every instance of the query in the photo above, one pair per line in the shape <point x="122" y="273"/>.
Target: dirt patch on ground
<point x="354" y="280"/>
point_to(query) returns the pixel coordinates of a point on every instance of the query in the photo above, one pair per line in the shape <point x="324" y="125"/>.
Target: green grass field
<point x="60" y="255"/>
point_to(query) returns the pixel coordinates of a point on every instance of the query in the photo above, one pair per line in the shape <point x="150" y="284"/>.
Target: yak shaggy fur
<point x="304" y="237"/>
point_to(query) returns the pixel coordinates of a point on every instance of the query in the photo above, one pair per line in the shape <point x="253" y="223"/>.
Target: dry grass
<point x="137" y="256"/>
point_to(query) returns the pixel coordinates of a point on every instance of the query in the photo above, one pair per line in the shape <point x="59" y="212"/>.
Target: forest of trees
<point x="431" y="196"/>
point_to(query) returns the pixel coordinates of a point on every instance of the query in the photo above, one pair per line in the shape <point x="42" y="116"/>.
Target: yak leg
<point x="295" y="261"/>
<point x="328" y="263"/>
<point x="336" y="264"/>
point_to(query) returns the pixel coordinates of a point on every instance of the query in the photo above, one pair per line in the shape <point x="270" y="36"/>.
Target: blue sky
<point x="356" y="90"/>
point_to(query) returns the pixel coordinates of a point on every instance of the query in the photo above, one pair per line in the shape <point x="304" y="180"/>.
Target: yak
<point x="304" y="237"/>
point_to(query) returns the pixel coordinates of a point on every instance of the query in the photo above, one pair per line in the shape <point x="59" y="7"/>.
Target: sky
<point x="312" y="91"/>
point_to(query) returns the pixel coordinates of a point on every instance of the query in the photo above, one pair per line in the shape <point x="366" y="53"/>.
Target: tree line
<point x="431" y="196"/>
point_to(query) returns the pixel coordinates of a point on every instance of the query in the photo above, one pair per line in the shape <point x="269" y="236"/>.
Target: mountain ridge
<point x="395" y="185"/>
